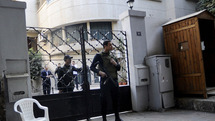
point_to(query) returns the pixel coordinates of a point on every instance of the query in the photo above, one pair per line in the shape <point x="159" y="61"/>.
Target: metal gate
<point x="49" y="48"/>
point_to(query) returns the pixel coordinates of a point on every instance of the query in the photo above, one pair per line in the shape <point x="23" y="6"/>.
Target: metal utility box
<point x="142" y="74"/>
<point x="161" y="94"/>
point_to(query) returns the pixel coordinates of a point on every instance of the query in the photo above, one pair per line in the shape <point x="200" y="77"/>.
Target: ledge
<point x="12" y="4"/>
<point x="132" y="13"/>
<point x="17" y="76"/>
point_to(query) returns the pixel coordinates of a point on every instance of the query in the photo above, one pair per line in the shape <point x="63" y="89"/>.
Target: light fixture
<point x="130" y="3"/>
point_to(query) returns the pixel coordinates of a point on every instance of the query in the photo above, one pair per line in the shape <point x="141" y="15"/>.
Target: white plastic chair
<point x="27" y="113"/>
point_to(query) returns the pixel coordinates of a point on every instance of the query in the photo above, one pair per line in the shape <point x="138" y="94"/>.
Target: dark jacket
<point x="44" y="76"/>
<point x="99" y="61"/>
<point x="66" y="75"/>
<point x="57" y="70"/>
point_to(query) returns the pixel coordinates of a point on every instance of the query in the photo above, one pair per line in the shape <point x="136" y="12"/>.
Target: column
<point x="133" y="22"/>
<point x="14" y="55"/>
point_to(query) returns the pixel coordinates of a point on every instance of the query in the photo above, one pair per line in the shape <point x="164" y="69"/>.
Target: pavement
<point x="170" y="115"/>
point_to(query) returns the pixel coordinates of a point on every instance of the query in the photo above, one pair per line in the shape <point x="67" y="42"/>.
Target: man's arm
<point x="96" y="61"/>
<point x="43" y="75"/>
<point x="76" y="69"/>
<point x="115" y="63"/>
<point x="56" y="71"/>
<point x="50" y="73"/>
<point x="118" y="66"/>
<point x="60" y="72"/>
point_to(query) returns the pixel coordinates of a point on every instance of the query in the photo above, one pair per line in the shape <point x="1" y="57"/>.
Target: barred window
<point x="101" y="30"/>
<point x="55" y="37"/>
<point x="72" y="33"/>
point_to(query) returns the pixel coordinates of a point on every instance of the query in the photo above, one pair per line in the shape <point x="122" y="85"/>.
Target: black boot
<point x="104" y="118"/>
<point x="118" y="119"/>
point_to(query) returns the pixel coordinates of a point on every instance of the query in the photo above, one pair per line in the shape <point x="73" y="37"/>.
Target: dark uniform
<point x="66" y="82"/>
<point x="57" y="71"/>
<point x="109" y="86"/>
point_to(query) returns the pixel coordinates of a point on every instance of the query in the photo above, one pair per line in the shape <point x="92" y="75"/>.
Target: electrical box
<point x="142" y="75"/>
<point x="161" y="92"/>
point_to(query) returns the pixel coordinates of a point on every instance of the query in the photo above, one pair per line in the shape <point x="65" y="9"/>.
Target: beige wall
<point x="59" y="13"/>
<point x="31" y="12"/>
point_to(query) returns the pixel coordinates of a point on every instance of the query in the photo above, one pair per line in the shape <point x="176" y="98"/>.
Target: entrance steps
<point x="211" y="91"/>
<point x="197" y="104"/>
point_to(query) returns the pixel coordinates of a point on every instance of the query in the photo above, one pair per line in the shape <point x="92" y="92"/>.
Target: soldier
<point x="108" y="68"/>
<point x="66" y="77"/>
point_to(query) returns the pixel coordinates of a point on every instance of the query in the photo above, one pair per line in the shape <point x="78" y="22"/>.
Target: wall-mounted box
<point x="17" y="87"/>
<point x="142" y="75"/>
<point x="17" y="79"/>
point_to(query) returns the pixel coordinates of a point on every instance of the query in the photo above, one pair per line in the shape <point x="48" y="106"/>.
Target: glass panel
<point x="101" y="30"/>
<point x="56" y="35"/>
<point x="183" y="46"/>
<point x="72" y="33"/>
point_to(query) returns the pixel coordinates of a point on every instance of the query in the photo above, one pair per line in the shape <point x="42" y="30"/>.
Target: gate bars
<point x="85" y="45"/>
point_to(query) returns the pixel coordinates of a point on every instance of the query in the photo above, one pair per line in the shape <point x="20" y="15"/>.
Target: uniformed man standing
<point x="66" y="77"/>
<point x="108" y="68"/>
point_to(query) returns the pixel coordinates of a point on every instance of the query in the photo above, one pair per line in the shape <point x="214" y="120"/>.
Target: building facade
<point x="104" y="14"/>
<point x="66" y="16"/>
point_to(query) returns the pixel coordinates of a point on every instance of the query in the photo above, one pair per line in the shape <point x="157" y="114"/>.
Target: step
<point x="210" y="88"/>
<point x="205" y="105"/>
<point x="211" y="91"/>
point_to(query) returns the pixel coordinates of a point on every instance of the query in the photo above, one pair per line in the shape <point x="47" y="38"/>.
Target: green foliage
<point x="35" y="59"/>
<point x="206" y="4"/>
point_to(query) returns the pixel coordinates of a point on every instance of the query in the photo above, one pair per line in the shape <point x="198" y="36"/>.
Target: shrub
<point x="35" y="59"/>
<point x="206" y="4"/>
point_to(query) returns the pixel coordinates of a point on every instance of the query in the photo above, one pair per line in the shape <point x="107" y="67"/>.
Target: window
<point x="72" y="33"/>
<point x="101" y="30"/>
<point x="157" y="0"/>
<point x="49" y="1"/>
<point x="183" y="46"/>
<point x="55" y="39"/>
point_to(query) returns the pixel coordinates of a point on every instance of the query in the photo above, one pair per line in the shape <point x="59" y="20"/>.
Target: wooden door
<point x="182" y="41"/>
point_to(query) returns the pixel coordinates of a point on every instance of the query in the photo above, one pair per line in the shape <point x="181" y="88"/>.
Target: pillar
<point x="14" y="55"/>
<point x="133" y="22"/>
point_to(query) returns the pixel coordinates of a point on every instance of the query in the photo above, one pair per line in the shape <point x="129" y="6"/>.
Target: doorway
<point x="207" y="34"/>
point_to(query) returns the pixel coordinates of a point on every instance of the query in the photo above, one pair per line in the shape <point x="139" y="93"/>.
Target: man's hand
<point x="49" y="76"/>
<point x="102" y="74"/>
<point x="113" y="61"/>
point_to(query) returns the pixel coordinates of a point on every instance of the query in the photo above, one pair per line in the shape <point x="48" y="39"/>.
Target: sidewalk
<point x="171" y="115"/>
